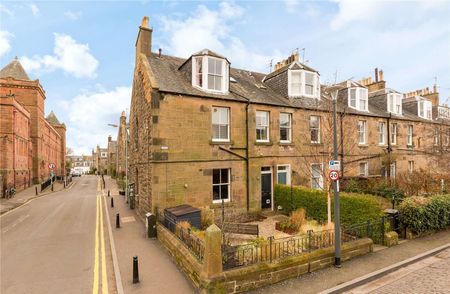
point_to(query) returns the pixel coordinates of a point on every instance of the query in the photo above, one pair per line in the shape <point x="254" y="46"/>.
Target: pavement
<point x="55" y="243"/>
<point x="429" y="275"/>
<point x="330" y="277"/>
<point x="158" y="272"/>
<point x="26" y="195"/>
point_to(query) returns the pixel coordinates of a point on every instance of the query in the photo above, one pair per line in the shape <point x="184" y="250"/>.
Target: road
<point x="57" y="243"/>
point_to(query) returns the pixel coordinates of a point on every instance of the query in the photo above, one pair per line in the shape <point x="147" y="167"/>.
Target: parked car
<point x="76" y="173"/>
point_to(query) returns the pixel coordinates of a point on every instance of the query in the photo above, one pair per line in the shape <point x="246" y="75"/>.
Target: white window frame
<point x="205" y="74"/>
<point x="320" y="181"/>
<point x="409" y="135"/>
<point x="268" y="127"/>
<point x="395" y="101"/>
<point x="360" y="94"/>
<point x="394" y="130"/>
<point x="220" y="124"/>
<point x="381" y="133"/>
<point x="287" y="171"/>
<point x="221" y="184"/>
<point x="318" y="129"/>
<point x="289" y="127"/>
<point x="362" y="124"/>
<point x="302" y="93"/>
<point x="365" y="173"/>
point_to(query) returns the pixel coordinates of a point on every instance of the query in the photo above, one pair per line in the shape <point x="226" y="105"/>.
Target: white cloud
<point x="291" y="5"/>
<point x="73" y="15"/>
<point x="34" y="9"/>
<point x="5" y="42"/>
<point x="6" y="11"/>
<point x="89" y="115"/>
<point x="213" y="30"/>
<point x="71" y="57"/>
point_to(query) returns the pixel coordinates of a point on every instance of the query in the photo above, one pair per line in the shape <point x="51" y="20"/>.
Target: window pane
<point x="314" y="121"/>
<point x="216" y="176"/>
<point x="284" y="134"/>
<point x="216" y="192"/>
<point x="223" y="191"/>
<point x="224" y="176"/>
<point x="309" y="78"/>
<point x="284" y="119"/>
<point x="211" y="82"/>
<point x="218" y="83"/>
<point x="309" y="89"/>
<point x="216" y="131"/>
<point x="211" y="65"/>
<point x="218" y="70"/>
<point x="316" y="170"/>
<point x="223" y="132"/>
<point x="282" y="178"/>
<point x="314" y="135"/>
<point x="295" y="75"/>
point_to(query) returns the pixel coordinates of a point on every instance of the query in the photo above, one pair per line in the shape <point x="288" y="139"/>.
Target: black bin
<point x="393" y="217"/>
<point x="181" y="213"/>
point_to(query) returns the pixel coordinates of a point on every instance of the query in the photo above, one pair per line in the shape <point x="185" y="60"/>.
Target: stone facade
<point x="46" y="135"/>
<point x="121" y="146"/>
<point x="173" y="157"/>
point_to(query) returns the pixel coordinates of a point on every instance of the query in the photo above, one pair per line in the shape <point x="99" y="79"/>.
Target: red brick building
<point x="29" y="141"/>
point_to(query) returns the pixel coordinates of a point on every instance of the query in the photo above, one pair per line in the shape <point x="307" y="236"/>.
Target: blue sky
<point x="83" y="52"/>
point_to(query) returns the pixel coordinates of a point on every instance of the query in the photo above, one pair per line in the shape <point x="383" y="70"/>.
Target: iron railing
<point x="275" y="249"/>
<point x="186" y="235"/>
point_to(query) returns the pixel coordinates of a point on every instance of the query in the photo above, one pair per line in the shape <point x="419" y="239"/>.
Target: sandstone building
<point x="29" y="141"/>
<point x="202" y="131"/>
<point x="81" y="163"/>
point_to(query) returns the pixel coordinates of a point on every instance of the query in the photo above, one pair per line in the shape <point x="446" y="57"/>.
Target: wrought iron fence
<point x="273" y="249"/>
<point x="375" y="229"/>
<point x="186" y="235"/>
<point x="45" y="184"/>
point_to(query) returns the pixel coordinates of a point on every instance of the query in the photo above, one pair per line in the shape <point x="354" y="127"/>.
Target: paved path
<point x="357" y="267"/>
<point x="53" y="244"/>
<point x="26" y="195"/>
<point x="157" y="270"/>
<point x="431" y="275"/>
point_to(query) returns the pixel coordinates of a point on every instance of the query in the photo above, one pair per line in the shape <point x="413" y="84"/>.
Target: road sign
<point x="51" y="165"/>
<point x="334" y="175"/>
<point x="334" y="165"/>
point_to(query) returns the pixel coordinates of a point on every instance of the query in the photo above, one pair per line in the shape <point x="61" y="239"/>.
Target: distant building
<point x="30" y="143"/>
<point x="101" y="160"/>
<point x="112" y="157"/>
<point x="81" y="163"/>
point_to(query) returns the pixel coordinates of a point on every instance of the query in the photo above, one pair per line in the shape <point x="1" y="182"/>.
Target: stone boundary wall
<point x="183" y="257"/>
<point x="265" y="273"/>
<point x="257" y="275"/>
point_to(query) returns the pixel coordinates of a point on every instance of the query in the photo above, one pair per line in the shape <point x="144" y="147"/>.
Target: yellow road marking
<point x="95" y="285"/>
<point x="102" y="237"/>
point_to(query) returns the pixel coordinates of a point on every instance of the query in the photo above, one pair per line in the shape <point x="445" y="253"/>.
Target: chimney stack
<point x="144" y="38"/>
<point x="109" y="138"/>
<point x="159" y="52"/>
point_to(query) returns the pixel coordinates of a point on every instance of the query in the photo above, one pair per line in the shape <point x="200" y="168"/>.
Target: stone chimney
<point x="378" y="84"/>
<point x="432" y="95"/>
<point x="144" y="38"/>
<point x="291" y="58"/>
<point x="109" y="138"/>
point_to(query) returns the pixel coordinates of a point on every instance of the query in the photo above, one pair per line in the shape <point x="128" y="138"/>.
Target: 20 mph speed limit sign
<point x="334" y="175"/>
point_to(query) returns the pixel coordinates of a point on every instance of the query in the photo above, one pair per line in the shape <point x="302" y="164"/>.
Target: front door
<point x="266" y="187"/>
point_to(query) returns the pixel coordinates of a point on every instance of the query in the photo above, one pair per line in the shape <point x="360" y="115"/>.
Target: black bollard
<point x="117" y="221"/>
<point x="109" y="193"/>
<point x="52" y="187"/>
<point x="135" y="270"/>
<point x="36" y="190"/>
<point x="112" y="202"/>
<point x="64" y="184"/>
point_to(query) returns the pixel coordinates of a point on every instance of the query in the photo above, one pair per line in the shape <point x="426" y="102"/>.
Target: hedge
<point x="355" y="208"/>
<point x="422" y="214"/>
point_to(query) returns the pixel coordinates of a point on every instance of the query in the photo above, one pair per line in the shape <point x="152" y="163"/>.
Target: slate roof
<point x="52" y="119"/>
<point x="249" y="86"/>
<point x="14" y="70"/>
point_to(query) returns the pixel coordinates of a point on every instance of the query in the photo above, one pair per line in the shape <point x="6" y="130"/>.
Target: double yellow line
<point x="99" y="251"/>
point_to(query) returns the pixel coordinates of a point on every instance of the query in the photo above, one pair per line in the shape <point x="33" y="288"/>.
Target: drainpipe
<point x="247" y="165"/>
<point x="14" y="147"/>
<point x="388" y="168"/>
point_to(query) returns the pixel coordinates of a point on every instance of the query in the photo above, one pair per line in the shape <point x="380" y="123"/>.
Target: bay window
<point x="357" y="98"/>
<point x="210" y="74"/>
<point x="395" y="103"/>
<point x="303" y="83"/>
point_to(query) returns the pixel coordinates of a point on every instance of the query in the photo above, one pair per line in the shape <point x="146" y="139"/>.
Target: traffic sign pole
<point x="337" y="223"/>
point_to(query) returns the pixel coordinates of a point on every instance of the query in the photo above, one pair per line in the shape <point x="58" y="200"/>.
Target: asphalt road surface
<point x="57" y="243"/>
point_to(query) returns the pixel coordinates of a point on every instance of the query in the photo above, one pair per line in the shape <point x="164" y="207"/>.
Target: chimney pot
<point x="159" y="52"/>
<point x="144" y="22"/>
<point x="380" y="73"/>
<point x="376" y="74"/>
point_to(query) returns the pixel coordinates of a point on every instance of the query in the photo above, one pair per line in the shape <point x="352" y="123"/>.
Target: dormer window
<point x="394" y="102"/>
<point x="303" y="83"/>
<point x="210" y="74"/>
<point x="424" y="109"/>
<point x="357" y="98"/>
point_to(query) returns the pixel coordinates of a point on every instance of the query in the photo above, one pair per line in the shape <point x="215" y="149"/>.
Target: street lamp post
<point x="126" y="157"/>
<point x="337" y="223"/>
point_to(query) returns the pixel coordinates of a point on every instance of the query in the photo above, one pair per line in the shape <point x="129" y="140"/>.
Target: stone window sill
<point x="211" y="142"/>
<point x="263" y="143"/>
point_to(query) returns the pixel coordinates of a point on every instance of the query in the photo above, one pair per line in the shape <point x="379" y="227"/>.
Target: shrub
<point x="298" y="218"/>
<point x="207" y="217"/>
<point x="355" y="208"/>
<point x="422" y="214"/>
